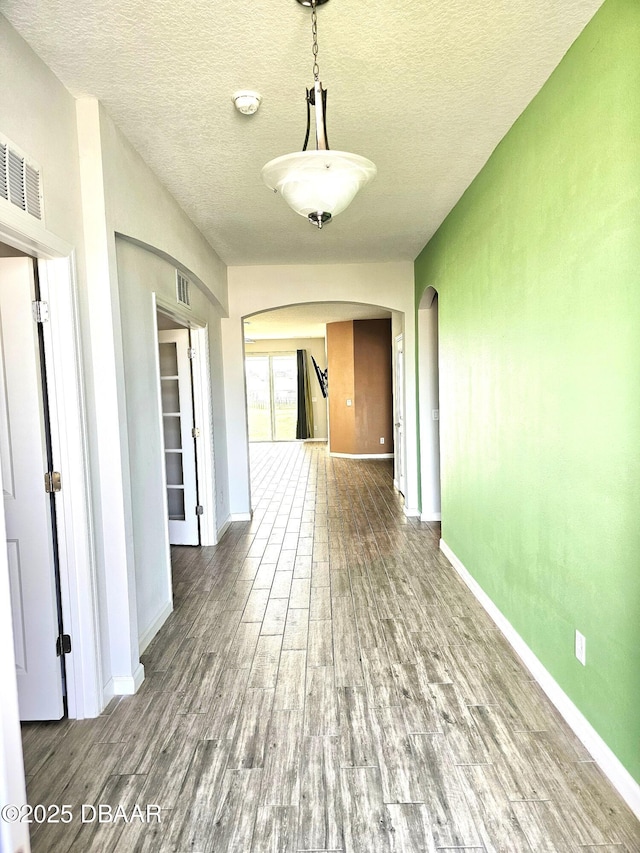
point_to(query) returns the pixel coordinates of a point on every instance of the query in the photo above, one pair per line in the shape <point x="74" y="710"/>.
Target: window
<point x="272" y="396"/>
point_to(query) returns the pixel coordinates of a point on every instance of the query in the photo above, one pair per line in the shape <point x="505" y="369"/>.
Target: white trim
<point x="430" y="516"/>
<point x="411" y="512"/>
<point x="23" y="232"/>
<point x="145" y="638"/>
<point x="234" y="516"/>
<point x="399" y="403"/>
<point x="224" y="528"/>
<point x="125" y="685"/>
<point x="155" y="626"/>
<point x="205" y="453"/>
<point x="362" y="455"/>
<point x="76" y="550"/>
<point x="193" y="278"/>
<point x="203" y="413"/>
<point x="608" y="762"/>
<point x="69" y="436"/>
<point x="175" y="311"/>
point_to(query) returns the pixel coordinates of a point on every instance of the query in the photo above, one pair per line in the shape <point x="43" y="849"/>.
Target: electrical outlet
<point x="349" y="402"/>
<point x="381" y="440"/>
<point x="435" y="414"/>
<point x="581" y="648"/>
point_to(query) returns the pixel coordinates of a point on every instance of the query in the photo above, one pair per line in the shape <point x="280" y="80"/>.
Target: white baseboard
<point x="362" y="455"/>
<point x="155" y="626"/>
<point x="241" y="516"/>
<point x="222" y="530"/>
<point x="606" y="759"/>
<point x="411" y="512"/>
<point x="233" y="516"/>
<point x="431" y="516"/>
<point x="124" y="685"/>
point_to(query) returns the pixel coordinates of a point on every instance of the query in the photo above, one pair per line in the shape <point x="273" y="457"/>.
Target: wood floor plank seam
<point x="324" y="684"/>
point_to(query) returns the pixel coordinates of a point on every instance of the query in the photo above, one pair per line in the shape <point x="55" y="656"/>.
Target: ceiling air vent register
<point x="20" y="183"/>
<point x="182" y="290"/>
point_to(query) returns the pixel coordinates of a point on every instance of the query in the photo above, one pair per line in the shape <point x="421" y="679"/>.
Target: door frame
<point x="399" y="417"/>
<point x="188" y="527"/>
<point x="78" y="571"/>
<point x="202" y="412"/>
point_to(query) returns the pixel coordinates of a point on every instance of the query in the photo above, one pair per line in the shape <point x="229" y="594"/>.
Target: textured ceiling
<point x="308" y="320"/>
<point x="424" y="89"/>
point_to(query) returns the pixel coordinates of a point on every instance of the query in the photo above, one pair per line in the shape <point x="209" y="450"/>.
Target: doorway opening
<point x="175" y="356"/>
<point x="398" y="422"/>
<point x="429" y="397"/>
<point x="354" y="391"/>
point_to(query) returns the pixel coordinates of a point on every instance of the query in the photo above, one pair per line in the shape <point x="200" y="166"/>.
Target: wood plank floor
<point x="326" y="683"/>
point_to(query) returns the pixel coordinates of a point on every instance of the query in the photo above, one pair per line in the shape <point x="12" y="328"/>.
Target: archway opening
<point x="349" y="341"/>
<point x="429" y="405"/>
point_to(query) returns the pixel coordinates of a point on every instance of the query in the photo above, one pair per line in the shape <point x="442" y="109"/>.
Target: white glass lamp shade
<point x="318" y="181"/>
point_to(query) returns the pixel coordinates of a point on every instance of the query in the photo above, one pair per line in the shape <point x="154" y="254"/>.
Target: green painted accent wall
<point x="538" y="274"/>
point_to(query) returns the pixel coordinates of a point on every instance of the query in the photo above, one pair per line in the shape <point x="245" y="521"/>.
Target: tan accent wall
<point x="359" y="360"/>
<point x="374" y="401"/>
<point x="340" y="361"/>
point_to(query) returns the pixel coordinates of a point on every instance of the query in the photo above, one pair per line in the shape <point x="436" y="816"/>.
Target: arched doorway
<point x="253" y="290"/>
<point x="429" y="405"/>
<point x="353" y="339"/>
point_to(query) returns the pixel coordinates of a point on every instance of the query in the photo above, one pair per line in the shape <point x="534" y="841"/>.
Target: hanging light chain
<point x="314" y="32"/>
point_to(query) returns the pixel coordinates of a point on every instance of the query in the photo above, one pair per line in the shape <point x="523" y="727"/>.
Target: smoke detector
<point x="246" y="102"/>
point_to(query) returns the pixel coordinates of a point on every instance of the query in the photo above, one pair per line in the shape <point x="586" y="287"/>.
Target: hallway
<point x="326" y="683"/>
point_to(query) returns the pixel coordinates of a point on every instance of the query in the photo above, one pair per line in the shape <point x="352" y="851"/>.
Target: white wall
<point x="122" y="196"/>
<point x="261" y="288"/>
<point x="315" y="347"/>
<point x="95" y="185"/>
<point x="140" y="207"/>
<point x="142" y="274"/>
<point x="38" y="114"/>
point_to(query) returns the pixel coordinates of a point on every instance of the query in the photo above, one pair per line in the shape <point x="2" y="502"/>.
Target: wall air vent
<point x="20" y="183"/>
<point x="182" y="290"/>
<point x="4" y="190"/>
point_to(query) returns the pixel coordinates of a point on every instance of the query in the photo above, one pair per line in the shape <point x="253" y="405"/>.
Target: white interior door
<point x="179" y="442"/>
<point x="26" y="504"/>
<point x="399" y="416"/>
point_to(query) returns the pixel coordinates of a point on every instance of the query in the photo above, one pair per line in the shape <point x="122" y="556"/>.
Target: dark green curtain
<point x="304" y="428"/>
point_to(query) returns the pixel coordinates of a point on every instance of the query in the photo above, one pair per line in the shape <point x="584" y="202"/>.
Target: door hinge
<point x="52" y="482"/>
<point x="195" y="432"/>
<point x="40" y="311"/>
<point x="191" y="352"/>
<point x="199" y="510"/>
<point x="63" y="644"/>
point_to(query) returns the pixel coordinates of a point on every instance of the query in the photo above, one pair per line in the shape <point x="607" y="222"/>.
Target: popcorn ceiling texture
<point x="424" y="89"/>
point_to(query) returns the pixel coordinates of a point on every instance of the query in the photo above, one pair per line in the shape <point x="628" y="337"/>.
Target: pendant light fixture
<point x="322" y="183"/>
